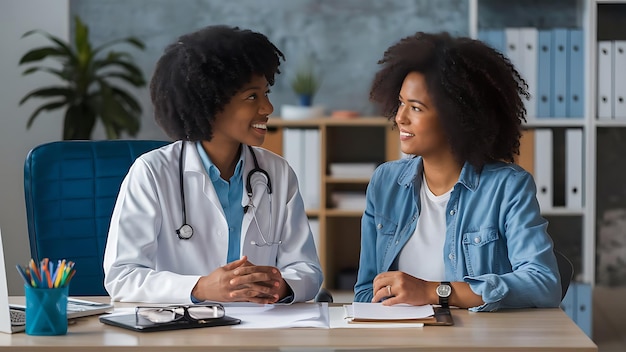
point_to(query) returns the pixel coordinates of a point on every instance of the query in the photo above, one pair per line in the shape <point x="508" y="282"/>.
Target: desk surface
<point x="514" y="330"/>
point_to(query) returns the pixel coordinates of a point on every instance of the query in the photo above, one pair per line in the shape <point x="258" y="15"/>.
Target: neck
<point x="223" y="156"/>
<point x="441" y="174"/>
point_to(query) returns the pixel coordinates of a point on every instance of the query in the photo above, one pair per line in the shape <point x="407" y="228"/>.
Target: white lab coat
<point x="145" y="261"/>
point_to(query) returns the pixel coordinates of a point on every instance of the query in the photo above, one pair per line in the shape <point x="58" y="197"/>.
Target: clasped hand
<point x="242" y="281"/>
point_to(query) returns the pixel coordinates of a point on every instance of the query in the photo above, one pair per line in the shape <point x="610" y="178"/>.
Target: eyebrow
<point x="414" y="101"/>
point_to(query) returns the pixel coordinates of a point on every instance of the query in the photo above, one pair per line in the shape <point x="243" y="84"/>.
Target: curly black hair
<point x="476" y="91"/>
<point x="200" y="73"/>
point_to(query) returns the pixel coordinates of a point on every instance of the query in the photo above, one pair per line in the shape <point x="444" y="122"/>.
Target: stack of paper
<point x="360" y="312"/>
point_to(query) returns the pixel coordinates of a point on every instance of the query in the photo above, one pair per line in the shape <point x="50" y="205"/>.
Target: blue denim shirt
<point x="496" y="239"/>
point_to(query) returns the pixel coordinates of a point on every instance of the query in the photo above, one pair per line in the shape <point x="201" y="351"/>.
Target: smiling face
<point x="418" y="120"/>
<point x="244" y="118"/>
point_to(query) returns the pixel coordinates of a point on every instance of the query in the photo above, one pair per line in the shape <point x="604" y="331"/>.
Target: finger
<point x="235" y="264"/>
<point x="264" y="278"/>
<point x="391" y="301"/>
<point x="244" y="270"/>
<point x="256" y="292"/>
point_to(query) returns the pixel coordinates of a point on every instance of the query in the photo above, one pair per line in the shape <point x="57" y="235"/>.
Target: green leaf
<point x="49" y="92"/>
<point x="62" y="45"/>
<point x="40" y="54"/>
<point x="135" y="80"/>
<point x="130" y="40"/>
<point x="45" y="107"/>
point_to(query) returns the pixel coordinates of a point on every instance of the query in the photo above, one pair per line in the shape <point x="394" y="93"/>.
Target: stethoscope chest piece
<point x="185" y="232"/>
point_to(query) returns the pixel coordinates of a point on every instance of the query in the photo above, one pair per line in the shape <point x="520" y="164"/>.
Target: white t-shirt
<point x="422" y="256"/>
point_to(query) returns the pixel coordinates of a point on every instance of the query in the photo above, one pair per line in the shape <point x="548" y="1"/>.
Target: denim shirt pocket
<point x="480" y="249"/>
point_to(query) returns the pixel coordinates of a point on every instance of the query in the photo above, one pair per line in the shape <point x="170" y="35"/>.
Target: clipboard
<point x="443" y="317"/>
<point x="138" y="323"/>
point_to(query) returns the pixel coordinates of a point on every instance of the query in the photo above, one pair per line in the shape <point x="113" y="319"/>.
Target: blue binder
<point x="575" y="93"/>
<point x="544" y="74"/>
<point x="494" y="38"/>
<point x="560" y="69"/>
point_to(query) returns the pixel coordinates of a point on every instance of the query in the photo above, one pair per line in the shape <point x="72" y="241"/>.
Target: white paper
<point x="377" y="311"/>
<point x="271" y="316"/>
<point x="339" y="320"/>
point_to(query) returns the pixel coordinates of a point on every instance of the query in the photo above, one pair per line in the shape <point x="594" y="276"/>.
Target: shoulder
<point x="397" y="168"/>
<point x="506" y="173"/>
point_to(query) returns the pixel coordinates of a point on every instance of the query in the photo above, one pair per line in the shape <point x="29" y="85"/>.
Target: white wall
<point x="16" y="18"/>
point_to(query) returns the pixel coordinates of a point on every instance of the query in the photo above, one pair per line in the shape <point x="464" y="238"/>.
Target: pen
<point x="22" y="273"/>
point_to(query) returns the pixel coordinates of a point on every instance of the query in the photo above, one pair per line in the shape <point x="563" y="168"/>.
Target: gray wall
<point x="344" y="39"/>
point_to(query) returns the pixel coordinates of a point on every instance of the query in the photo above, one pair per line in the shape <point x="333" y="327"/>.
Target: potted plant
<point x="305" y="84"/>
<point x="91" y="91"/>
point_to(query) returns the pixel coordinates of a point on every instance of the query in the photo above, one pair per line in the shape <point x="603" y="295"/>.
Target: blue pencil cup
<point x="46" y="310"/>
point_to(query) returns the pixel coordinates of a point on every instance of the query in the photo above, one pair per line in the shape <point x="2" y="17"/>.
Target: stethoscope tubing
<point x="185" y="232"/>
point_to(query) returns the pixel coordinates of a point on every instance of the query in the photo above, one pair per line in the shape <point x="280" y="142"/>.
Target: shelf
<point x="344" y="213"/>
<point x="555" y="122"/>
<point x="347" y="180"/>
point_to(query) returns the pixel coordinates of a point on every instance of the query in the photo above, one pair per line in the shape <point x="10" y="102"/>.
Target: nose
<point x="401" y="115"/>
<point x="266" y="107"/>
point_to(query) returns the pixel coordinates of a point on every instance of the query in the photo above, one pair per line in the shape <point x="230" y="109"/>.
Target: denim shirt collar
<point x="414" y="168"/>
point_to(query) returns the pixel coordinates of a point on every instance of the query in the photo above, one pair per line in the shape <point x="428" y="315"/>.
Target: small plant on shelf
<point x="305" y="84"/>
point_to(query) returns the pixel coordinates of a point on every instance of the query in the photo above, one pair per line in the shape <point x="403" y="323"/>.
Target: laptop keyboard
<point x="18" y="317"/>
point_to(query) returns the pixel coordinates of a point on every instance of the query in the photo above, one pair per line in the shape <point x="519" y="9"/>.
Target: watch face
<point x="444" y="290"/>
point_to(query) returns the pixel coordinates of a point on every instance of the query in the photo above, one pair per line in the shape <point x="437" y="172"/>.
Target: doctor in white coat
<point x="212" y="216"/>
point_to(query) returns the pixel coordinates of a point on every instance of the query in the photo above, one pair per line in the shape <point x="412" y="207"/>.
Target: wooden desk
<point x="515" y="330"/>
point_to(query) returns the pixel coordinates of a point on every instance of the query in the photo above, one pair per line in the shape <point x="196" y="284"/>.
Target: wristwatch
<point x="443" y="291"/>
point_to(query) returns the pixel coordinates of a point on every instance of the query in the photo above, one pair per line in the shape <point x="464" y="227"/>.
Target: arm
<point x="534" y="280"/>
<point x="363" y="290"/>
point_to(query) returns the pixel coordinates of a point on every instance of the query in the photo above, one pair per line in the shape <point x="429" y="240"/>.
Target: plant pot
<point x="299" y="112"/>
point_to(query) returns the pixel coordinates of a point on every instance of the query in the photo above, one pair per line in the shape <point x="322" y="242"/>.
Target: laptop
<point x="13" y="317"/>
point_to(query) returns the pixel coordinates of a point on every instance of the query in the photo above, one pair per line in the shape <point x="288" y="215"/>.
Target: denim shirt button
<point x="379" y="226"/>
<point x="452" y="212"/>
<point x="476" y="239"/>
<point x="451" y="256"/>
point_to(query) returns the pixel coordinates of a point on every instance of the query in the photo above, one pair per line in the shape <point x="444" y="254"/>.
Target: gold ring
<point x="389" y="290"/>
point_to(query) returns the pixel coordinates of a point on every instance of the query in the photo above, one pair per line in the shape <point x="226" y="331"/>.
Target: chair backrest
<point x="70" y="189"/>
<point x="566" y="270"/>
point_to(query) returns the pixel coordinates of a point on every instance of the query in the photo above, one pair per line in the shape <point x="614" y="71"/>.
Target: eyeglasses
<point x="190" y="313"/>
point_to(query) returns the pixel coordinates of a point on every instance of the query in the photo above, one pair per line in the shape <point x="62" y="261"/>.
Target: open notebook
<point x="12" y="317"/>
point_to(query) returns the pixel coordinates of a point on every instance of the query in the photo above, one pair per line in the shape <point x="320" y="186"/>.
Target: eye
<point x="252" y="96"/>
<point x="416" y="108"/>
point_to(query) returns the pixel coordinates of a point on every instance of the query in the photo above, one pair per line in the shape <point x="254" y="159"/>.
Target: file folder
<point x="293" y="152"/>
<point x="619" y="81"/>
<point x="574" y="168"/>
<point x="544" y="74"/>
<point x="513" y="43"/>
<point x="310" y="184"/>
<point x="560" y="69"/>
<point x="543" y="167"/>
<point x="528" y="66"/>
<point x="575" y="92"/>
<point x="605" y="80"/>
<point x="494" y="38"/>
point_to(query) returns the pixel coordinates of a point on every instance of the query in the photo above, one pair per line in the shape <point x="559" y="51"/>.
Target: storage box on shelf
<point x="322" y="163"/>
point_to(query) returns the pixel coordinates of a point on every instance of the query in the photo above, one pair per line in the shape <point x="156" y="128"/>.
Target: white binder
<point x="528" y="67"/>
<point x="311" y="188"/>
<point x="605" y="80"/>
<point x="619" y="82"/>
<point x="293" y="152"/>
<point x="513" y="43"/>
<point x="543" y="168"/>
<point x="574" y="168"/>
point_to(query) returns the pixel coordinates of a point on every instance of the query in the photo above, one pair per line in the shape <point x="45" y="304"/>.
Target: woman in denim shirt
<point x="456" y="218"/>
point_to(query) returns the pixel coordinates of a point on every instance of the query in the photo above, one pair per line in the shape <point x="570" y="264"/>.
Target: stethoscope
<point x="185" y="232"/>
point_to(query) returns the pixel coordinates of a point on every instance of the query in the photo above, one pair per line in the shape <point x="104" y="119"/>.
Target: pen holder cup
<point x="46" y="310"/>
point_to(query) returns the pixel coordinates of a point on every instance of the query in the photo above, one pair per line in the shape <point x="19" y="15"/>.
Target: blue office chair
<point x="70" y="189"/>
